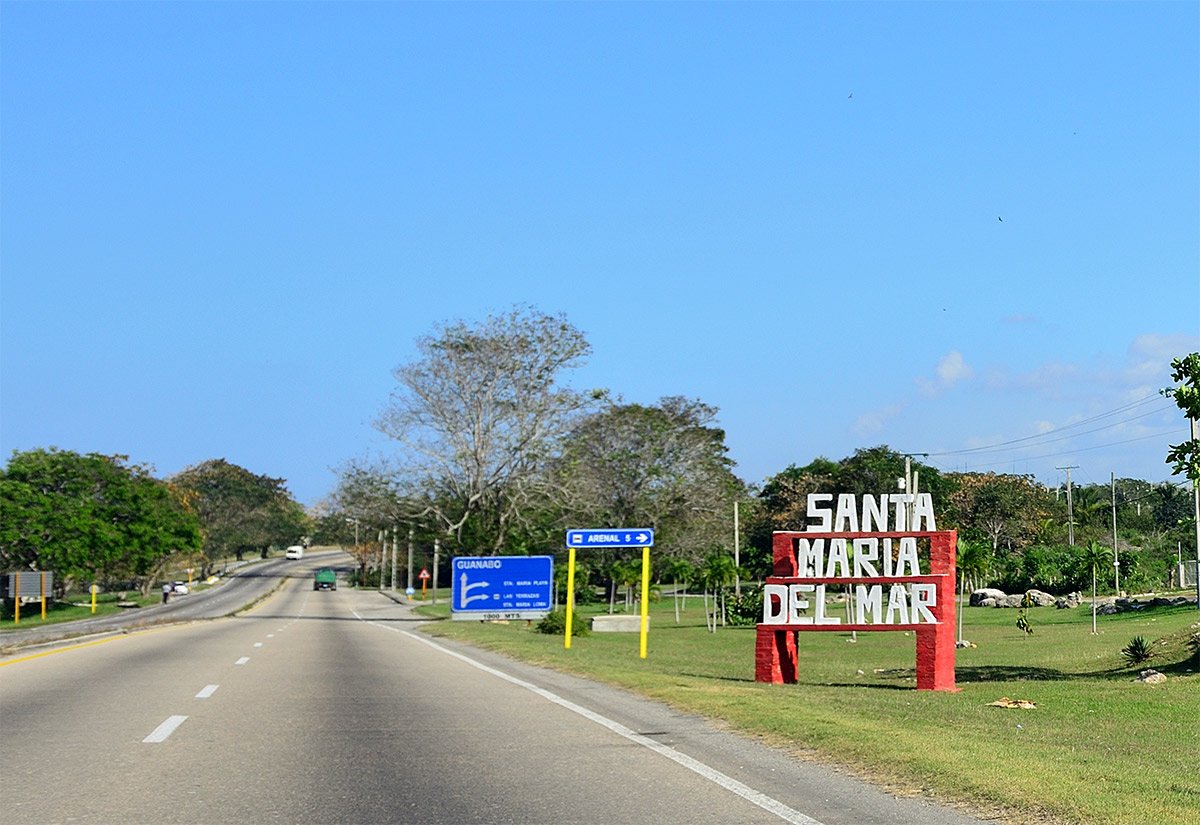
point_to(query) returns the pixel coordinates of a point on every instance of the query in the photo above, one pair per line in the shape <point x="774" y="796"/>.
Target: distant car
<point x="325" y="579"/>
<point x="180" y="588"/>
<point x="294" y="552"/>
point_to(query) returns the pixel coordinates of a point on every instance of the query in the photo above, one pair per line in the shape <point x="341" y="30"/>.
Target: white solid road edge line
<point x="164" y="730"/>
<point x="207" y="691"/>
<point x="711" y="774"/>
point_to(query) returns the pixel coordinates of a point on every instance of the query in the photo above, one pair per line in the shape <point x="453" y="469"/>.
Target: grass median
<point x="1100" y="747"/>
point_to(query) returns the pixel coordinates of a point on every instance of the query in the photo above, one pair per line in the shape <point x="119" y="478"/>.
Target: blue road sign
<point x="615" y="537"/>
<point x="501" y="587"/>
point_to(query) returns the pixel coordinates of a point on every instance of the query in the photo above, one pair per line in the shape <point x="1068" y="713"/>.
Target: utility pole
<point x="1196" y="512"/>
<point x="395" y="548"/>
<point x="382" y="555"/>
<point x="408" y="588"/>
<point x="1116" y="561"/>
<point x="910" y="488"/>
<point x="437" y="547"/>
<point x="737" y="560"/>
<point x="1070" y="508"/>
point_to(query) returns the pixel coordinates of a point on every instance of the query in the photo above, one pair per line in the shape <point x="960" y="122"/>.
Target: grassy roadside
<point x="76" y="606"/>
<point x="1099" y="748"/>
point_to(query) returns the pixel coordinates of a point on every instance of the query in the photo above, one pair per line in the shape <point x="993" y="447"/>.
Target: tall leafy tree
<point x="869" y="471"/>
<point x="90" y="518"/>
<point x="997" y="508"/>
<point x="480" y="414"/>
<point x="1184" y="457"/>
<point x="240" y="510"/>
<point x="663" y="466"/>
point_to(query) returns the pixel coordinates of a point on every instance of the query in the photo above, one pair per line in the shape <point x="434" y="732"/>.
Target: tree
<point x="481" y="413"/>
<point x="973" y="563"/>
<point x="716" y="575"/>
<point x="1184" y="457"/>
<point x="665" y="467"/>
<point x="239" y="510"/>
<point x="995" y="507"/>
<point x="872" y="471"/>
<point x="678" y="570"/>
<point x="91" y="518"/>
<point x="1093" y="556"/>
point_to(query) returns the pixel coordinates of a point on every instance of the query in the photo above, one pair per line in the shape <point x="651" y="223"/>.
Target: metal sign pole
<point x="570" y="595"/>
<point x="645" y="602"/>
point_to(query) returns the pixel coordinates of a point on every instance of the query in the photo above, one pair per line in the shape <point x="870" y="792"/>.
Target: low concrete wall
<point x="618" y="624"/>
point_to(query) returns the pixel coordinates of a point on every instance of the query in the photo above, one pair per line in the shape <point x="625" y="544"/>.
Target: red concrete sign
<point x="891" y="593"/>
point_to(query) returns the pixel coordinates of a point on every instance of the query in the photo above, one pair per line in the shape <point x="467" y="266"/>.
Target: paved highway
<point x="330" y="707"/>
<point x="245" y="585"/>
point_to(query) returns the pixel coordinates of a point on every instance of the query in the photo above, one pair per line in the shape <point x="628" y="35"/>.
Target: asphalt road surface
<point x="330" y="707"/>
<point x="245" y="585"/>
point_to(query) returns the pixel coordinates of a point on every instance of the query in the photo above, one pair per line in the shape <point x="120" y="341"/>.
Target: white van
<point x="294" y="552"/>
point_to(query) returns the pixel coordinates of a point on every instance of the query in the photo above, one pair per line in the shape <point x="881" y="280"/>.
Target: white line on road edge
<point x="242" y="660"/>
<point x="711" y="774"/>
<point x="164" y="730"/>
<point x="208" y="690"/>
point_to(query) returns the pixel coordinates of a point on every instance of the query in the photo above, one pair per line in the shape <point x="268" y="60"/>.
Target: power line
<point x="1068" y="437"/>
<point x="1124" y="408"/>
<point x="1066" y="452"/>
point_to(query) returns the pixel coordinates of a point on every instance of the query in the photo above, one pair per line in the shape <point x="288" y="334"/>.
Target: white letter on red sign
<point x="798" y="603"/>
<point x="775" y="599"/>
<point x="924" y="596"/>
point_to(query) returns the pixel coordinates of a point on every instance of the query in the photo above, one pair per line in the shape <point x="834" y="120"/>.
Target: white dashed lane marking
<point x="164" y="730"/>
<point x="242" y="660"/>
<point x="208" y="690"/>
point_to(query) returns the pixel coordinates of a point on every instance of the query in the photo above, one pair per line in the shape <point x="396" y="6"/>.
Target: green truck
<point x="325" y="579"/>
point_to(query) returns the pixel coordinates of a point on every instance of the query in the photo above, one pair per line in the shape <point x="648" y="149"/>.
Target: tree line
<point x="497" y="453"/>
<point x="97" y="519"/>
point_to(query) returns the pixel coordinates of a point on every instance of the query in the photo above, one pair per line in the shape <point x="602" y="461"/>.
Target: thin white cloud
<point x="1021" y="319"/>
<point x="951" y="369"/>
<point x="872" y="423"/>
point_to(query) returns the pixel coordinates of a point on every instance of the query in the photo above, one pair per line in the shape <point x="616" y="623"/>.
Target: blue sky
<point x="936" y="226"/>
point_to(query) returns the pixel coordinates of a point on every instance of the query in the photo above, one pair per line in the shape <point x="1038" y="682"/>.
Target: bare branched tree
<point x="481" y="412"/>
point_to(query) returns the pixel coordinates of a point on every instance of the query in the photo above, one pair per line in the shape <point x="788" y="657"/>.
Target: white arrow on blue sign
<point x="613" y="537"/>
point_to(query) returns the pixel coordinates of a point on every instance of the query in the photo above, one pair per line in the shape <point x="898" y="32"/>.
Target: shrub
<point x="555" y="624"/>
<point x="747" y="609"/>
<point x="1137" y="651"/>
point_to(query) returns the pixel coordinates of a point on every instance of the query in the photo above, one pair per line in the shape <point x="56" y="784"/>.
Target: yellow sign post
<point x="570" y="596"/>
<point x="645" y="602"/>
<point x="611" y="539"/>
<point x="42" y="579"/>
<point x="17" y="599"/>
<point x="95" y="590"/>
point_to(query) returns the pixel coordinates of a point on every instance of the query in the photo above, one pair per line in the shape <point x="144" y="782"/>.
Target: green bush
<point x="1137" y="651"/>
<point x="555" y="624"/>
<point x="747" y="609"/>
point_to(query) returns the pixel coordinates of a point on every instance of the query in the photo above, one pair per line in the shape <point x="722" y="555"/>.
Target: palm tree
<point x="718" y="572"/>
<point x="1094" y="556"/>
<point x="679" y="570"/>
<point x="973" y="562"/>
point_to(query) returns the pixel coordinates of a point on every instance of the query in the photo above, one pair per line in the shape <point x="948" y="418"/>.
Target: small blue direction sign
<point x="616" y="537"/>
<point x="501" y="587"/>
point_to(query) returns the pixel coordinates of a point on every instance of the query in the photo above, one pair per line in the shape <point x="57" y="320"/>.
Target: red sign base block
<point x="776" y="654"/>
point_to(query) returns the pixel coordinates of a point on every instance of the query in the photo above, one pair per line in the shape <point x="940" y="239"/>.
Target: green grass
<point x="74" y="606"/>
<point x="1099" y="748"/>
